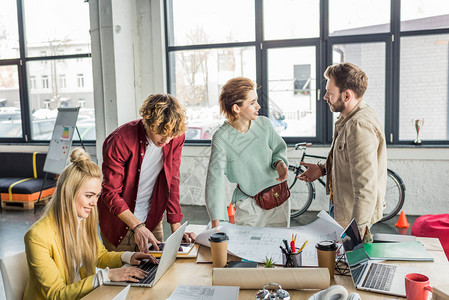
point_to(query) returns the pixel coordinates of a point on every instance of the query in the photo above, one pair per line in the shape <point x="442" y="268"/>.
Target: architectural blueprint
<point x="257" y="243"/>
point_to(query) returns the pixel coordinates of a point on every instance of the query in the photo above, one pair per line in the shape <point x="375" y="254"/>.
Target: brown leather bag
<point x="272" y="196"/>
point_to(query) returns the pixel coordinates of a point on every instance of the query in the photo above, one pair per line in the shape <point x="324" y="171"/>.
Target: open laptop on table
<point x="368" y="275"/>
<point x="168" y="257"/>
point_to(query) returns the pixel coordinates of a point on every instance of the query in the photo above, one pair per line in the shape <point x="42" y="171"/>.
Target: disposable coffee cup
<point x="326" y="251"/>
<point x="219" y="249"/>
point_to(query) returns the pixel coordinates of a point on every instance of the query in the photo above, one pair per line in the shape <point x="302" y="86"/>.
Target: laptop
<point x="123" y="294"/>
<point x="369" y="275"/>
<point x="155" y="272"/>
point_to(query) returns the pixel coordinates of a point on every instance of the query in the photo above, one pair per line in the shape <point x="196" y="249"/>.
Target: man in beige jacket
<point x="357" y="162"/>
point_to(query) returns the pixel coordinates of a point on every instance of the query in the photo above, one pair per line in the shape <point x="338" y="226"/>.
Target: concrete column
<point x="128" y="58"/>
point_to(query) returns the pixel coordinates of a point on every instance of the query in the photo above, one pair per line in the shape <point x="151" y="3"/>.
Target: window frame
<point x="24" y="88"/>
<point x="323" y="44"/>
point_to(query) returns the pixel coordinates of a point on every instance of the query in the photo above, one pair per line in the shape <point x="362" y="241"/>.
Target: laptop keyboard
<point x="379" y="277"/>
<point x="357" y="272"/>
<point x="151" y="269"/>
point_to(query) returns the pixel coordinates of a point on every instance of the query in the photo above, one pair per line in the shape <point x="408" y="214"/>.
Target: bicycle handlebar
<point x="302" y="145"/>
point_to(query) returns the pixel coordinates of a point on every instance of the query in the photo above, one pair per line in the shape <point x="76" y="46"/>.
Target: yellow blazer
<point x="45" y="259"/>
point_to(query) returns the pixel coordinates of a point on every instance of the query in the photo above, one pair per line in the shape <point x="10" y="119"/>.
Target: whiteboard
<point x="61" y="140"/>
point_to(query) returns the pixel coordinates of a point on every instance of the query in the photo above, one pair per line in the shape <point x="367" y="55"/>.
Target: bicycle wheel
<point x="301" y="193"/>
<point x="394" y="196"/>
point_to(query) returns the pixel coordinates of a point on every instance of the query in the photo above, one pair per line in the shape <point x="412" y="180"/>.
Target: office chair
<point x="15" y="275"/>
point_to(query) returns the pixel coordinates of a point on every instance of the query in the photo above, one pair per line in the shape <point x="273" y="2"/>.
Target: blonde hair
<point x="348" y="76"/>
<point x="162" y="114"/>
<point x="79" y="244"/>
<point x="233" y="92"/>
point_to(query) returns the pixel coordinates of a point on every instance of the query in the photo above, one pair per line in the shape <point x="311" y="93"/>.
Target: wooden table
<point x="186" y="271"/>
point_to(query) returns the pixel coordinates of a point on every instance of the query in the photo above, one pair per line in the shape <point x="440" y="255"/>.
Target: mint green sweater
<point x="244" y="158"/>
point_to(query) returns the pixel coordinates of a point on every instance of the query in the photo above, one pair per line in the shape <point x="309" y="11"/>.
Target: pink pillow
<point x="433" y="226"/>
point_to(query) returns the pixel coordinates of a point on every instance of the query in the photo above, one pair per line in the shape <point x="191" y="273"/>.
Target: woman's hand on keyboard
<point x="137" y="257"/>
<point x="132" y="274"/>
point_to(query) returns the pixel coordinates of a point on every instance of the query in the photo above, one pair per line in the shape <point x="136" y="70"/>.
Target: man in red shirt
<point x="141" y="161"/>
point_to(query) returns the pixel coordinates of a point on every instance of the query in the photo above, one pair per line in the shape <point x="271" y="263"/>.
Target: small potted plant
<point x="269" y="262"/>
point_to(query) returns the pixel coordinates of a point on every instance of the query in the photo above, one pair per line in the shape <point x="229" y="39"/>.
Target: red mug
<point x="417" y="286"/>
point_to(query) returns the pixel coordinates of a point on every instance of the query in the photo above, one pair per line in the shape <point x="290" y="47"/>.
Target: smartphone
<point x="183" y="248"/>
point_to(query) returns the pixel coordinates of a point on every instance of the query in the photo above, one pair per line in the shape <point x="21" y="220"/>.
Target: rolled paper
<point x="288" y="278"/>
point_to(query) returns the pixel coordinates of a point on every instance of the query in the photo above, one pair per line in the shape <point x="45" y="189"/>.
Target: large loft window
<point x="354" y="17"/>
<point x="424" y="89"/>
<point x="287" y="19"/>
<point x="371" y="58"/>
<point x="44" y="64"/>
<point x="206" y="22"/>
<point x="285" y="46"/>
<point x="9" y="33"/>
<point x="199" y="76"/>
<point x="292" y="90"/>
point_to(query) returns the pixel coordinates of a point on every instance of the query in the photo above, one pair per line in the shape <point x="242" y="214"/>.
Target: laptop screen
<point x="353" y="245"/>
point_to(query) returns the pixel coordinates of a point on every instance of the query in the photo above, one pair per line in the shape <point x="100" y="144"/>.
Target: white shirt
<point x="152" y="164"/>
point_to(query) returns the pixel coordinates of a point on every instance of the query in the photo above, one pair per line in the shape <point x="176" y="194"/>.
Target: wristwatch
<point x="322" y="168"/>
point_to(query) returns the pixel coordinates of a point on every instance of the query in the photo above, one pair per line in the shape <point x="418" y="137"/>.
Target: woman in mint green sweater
<point x="248" y="151"/>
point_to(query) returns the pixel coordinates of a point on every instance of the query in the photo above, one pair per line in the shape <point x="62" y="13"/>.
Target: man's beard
<point x="338" y="106"/>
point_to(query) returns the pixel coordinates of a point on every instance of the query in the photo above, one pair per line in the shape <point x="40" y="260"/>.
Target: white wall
<point x="425" y="172"/>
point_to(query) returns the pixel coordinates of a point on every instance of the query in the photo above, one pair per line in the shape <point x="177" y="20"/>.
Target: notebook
<point x="368" y="275"/>
<point x="155" y="272"/>
<point x="392" y="238"/>
<point x="413" y="251"/>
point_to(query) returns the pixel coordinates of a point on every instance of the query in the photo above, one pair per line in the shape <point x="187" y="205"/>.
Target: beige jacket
<point x="359" y="167"/>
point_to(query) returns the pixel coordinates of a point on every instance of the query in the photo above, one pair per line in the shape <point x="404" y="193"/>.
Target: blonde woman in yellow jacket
<point x="63" y="249"/>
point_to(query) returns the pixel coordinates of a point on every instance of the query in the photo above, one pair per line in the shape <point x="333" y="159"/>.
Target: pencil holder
<point x="293" y="260"/>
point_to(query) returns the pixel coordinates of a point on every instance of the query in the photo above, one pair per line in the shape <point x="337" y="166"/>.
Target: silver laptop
<point x="368" y="275"/>
<point x="123" y="294"/>
<point x="168" y="257"/>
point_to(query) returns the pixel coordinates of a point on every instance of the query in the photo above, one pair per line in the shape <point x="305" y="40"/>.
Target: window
<point x="292" y="90"/>
<point x="289" y="19"/>
<point x="10" y="112"/>
<point x="57" y="35"/>
<point x="66" y="24"/>
<point x="198" y="82"/>
<point x="33" y="82"/>
<point x="80" y="80"/>
<point x="286" y="45"/>
<point x="210" y="21"/>
<point x="9" y="34"/>
<point x="62" y="81"/>
<point x="45" y="82"/>
<point x="424" y="89"/>
<point x="371" y="58"/>
<point x="351" y="17"/>
<point x="419" y="15"/>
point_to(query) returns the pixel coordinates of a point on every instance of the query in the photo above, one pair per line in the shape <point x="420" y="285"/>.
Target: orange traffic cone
<point x="231" y="213"/>
<point x="402" y="222"/>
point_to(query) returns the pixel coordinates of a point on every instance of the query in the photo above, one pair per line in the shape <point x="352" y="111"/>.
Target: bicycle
<point x="303" y="193"/>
